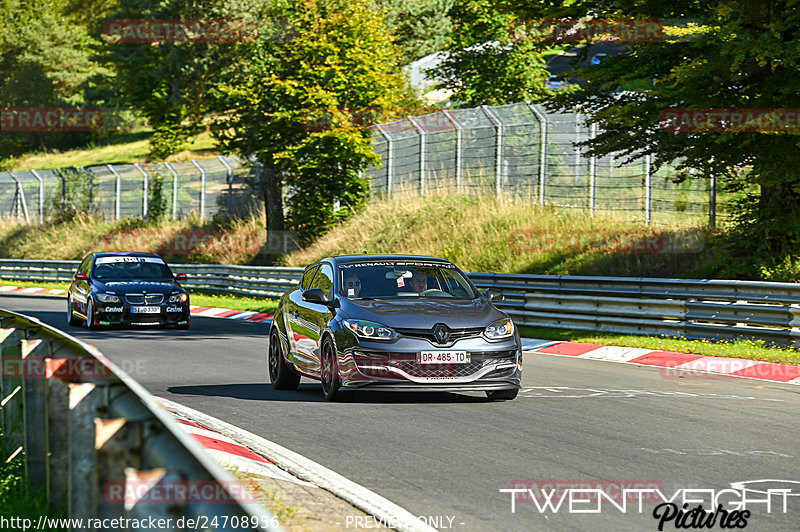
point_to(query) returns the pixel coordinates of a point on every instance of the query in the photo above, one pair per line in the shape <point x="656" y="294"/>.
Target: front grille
<point x="141" y="299"/>
<point x="381" y="366"/>
<point x="455" y="334"/>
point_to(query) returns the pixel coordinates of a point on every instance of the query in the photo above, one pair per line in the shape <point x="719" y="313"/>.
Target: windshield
<point x="123" y="268"/>
<point x="403" y="279"/>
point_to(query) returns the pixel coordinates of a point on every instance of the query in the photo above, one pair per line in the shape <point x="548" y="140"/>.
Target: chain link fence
<point x="208" y="188"/>
<point x="520" y="150"/>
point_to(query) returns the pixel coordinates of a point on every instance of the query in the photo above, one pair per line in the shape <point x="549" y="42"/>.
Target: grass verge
<point x="19" y="498"/>
<point x="747" y="349"/>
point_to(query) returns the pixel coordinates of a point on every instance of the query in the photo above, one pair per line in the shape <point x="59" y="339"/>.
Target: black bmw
<point x="393" y="323"/>
<point x="127" y="288"/>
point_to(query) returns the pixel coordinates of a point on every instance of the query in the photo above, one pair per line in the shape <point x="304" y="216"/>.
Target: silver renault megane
<point x="393" y="323"/>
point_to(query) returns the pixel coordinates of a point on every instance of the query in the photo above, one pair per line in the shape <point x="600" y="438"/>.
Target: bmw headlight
<point x="370" y="330"/>
<point x="178" y="298"/>
<point x="499" y="330"/>
<point x="107" y="298"/>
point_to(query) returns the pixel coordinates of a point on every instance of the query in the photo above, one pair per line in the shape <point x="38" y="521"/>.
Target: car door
<point x="82" y="287"/>
<point x="291" y="315"/>
<point x="313" y="318"/>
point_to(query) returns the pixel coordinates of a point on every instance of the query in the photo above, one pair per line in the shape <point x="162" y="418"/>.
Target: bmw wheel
<point x="329" y="371"/>
<point x="280" y="374"/>
<point x="90" y="314"/>
<point x="71" y="319"/>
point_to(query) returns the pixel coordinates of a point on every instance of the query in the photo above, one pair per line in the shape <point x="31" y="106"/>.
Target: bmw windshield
<point x="403" y="280"/>
<point x="131" y="268"/>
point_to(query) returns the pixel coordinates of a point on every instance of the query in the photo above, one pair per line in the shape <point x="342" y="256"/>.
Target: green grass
<point x="125" y="148"/>
<point x="256" y="304"/>
<point x="747" y="349"/>
<point x="19" y="498"/>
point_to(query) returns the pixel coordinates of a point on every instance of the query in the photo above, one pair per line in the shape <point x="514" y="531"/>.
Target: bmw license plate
<point x="443" y="357"/>
<point x="146" y="310"/>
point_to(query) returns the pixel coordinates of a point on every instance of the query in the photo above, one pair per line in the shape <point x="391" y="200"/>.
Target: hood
<point x="424" y="314"/>
<point x="138" y="287"/>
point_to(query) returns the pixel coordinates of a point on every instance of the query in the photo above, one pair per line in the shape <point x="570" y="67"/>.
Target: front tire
<point x="71" y="319"/>
<point x="330" y="371"/>
<point x="280" y="374"/>
<point x="90" y="315"/>
<point x="502" y="395"/>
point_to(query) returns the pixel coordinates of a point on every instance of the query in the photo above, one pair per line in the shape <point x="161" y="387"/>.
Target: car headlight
<point x="370" y="330"/>
<point x="178" y="298"/>
<point x="499" y="330"/>
<point x="107" y="298"/>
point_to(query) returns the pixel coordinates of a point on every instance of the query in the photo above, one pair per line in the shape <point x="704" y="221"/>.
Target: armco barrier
<point x="100" y="446"/>
<point x="714" y="309"/>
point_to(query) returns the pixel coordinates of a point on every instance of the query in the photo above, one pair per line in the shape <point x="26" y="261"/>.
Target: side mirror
<point x="181" y="276"/>
<point x="494" y="295"/>
<point x="315" y="295"/>
<point x="80" y="276"/>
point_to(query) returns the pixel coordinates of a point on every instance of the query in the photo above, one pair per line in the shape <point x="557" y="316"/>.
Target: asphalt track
<point x="448" y="455"/>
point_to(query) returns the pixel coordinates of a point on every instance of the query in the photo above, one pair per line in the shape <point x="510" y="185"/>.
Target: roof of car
<point x="362" y="258"/>
<point x="124" y="254"/>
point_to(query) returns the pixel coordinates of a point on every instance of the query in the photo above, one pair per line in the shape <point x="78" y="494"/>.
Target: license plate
<point x="443" y="357"/>
<point x="146" y="310"/>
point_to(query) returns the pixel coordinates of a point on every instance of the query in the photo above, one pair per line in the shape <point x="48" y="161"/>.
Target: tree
<point x="296" y="98"/>
<point x="744" y="56"/>
<point x="420" y="27"/>
<point x="485" y="63"/>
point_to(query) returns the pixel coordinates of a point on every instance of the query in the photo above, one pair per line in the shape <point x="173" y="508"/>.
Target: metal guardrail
<point x="99" y="445"/>
<point x="713" y="309"/>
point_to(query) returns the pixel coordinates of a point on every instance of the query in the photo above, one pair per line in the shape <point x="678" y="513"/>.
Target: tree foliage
<point x="420" y="27"/>
<point x="294" y="100"/>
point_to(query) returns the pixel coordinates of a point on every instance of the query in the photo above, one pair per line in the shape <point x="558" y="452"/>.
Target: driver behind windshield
<point x="418" y="282"/>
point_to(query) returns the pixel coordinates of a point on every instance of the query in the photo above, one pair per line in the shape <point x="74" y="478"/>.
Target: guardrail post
<point x="389" y="159"/>
<point x="542" y="119"/>
<point x="117" y="190"/>
<point x="118" y="442"/>
<point x="202" y="189"/>
<point x="11" y="396"/>
<point x="58" y="435"/>
<point x="174" y="190"/>
<point x="34" y="353"/>
<point x="230" y="184"/>
<point x="421" y="132"/>
<point x="85" y="401"/>
<point x="145" y="187"/>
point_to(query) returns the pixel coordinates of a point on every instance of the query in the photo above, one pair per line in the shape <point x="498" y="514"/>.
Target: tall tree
<point x="296" y="100"/>
<point x="420" y="27"/>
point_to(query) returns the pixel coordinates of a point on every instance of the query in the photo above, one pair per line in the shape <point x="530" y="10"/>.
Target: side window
<point x="86" y="265"/>
<point x="305" y="281"/>
<point x="324" y="280"/>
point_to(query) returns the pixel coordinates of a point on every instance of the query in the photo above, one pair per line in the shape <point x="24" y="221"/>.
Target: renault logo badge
<point x="441" y="333"/>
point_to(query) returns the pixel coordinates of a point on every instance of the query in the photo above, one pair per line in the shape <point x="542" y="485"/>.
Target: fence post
<point x="174" y="190"/>
<point x="577" y="149"/>
<point x="19" y="199"/>
<point x="421" y="154"/>
<point x="91" y="186"/>
<point x="648" y="186"/>
<point x="498" y="158"/>
<point x="117" y="190"/>
<point x="592" y="173"/>
<point x="459" y="141"/>
<point x="542" y="151"/>
<point x="202" y="190"/>
<point x="41" y="195"/>
<point x="229" y="180"/>
<point x="63" y="189"/>
<point x="712" y="202"/>
<point x="145" y="187"/>
<point x="389" y="158"/>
